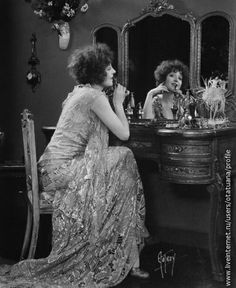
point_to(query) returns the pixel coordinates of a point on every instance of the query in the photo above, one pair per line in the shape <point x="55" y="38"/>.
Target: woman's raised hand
<point x="159" y="89"/>
<point x="178" y="91"/>
<point x="119" y="94"/>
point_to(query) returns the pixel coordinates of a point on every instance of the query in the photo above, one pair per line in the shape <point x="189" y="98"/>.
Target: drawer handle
<point x="178" y="149"/>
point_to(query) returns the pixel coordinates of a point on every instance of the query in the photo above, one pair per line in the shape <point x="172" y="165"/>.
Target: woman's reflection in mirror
<point x="172" y="77"/>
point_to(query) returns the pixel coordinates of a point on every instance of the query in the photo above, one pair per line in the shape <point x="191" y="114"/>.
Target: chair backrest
<point x="32" y="184"/>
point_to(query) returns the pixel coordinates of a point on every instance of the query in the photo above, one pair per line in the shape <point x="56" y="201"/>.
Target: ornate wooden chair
<point x="35" y="206"/>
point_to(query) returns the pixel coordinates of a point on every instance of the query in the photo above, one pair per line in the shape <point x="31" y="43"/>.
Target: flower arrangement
<point x="56" y="10"/>
<point x="157" y="6"/>
<point x="214" y="96"/>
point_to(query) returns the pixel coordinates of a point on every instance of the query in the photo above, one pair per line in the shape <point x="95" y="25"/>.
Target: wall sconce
<point x="33" y="77"/>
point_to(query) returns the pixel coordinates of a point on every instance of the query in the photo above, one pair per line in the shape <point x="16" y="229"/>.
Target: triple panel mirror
<point x="205" y="45"/>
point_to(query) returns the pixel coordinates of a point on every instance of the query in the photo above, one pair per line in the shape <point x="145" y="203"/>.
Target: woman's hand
<point x="178" y="91"/>
<point x="161" y="88"/>
<point x="119" y="95"/>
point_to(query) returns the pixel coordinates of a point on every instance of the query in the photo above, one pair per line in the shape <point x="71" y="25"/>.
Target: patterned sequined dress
<point x="98" y="219"/>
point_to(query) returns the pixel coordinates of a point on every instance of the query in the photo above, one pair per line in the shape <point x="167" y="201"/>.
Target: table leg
<point x="215" y="191"/>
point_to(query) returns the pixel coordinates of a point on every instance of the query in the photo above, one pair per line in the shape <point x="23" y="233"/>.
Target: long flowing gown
<point x="99" y="209"/>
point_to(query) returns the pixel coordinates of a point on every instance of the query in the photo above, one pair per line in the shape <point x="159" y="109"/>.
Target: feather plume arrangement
<point x="214" y="96"/>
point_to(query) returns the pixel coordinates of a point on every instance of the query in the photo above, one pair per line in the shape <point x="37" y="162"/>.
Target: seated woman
<point x="171" y="76"/>
<point x="99" y="207"/>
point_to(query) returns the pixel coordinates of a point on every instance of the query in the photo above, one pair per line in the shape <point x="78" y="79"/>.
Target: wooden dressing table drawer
<point x="146" y="145"/>
<point x="143" y="142"/>
<point x="187" y="172"/>
<point x="187" y="161"/>
<point x="187" y="149"/>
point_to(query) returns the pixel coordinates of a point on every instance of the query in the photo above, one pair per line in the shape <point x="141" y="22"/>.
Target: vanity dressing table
<point x="188" y="156"/>
<point x="192" y="156"/>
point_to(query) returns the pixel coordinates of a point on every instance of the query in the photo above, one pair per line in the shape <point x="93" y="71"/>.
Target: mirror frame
<point x="231" y="58"/>
<point x="158" y="9"/>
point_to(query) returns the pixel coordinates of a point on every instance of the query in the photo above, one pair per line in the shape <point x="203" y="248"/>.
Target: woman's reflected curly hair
<point x="87" y="65"/>
<point x="169" y="66"/>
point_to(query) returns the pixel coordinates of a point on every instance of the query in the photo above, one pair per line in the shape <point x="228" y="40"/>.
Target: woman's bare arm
<point x="115" y="121"/>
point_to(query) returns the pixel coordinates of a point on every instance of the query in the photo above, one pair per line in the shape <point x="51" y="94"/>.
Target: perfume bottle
<point x="192" y="106"/>
<point x="132" y="101"/>
<point x="129" y="112"/>
<point x="140" y="111"/>
<point x="174" y="110"/>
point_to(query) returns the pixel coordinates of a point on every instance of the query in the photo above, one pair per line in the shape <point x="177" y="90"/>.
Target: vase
<point x="63" y="30"/>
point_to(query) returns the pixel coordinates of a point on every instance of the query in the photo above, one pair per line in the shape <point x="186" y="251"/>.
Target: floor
<point x="191" y="269"/>
<point x="185" y="268"/>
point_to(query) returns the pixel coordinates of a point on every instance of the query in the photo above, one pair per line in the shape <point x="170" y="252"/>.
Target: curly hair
<point x="87" y="65"/>
<point x="168" y="66"/>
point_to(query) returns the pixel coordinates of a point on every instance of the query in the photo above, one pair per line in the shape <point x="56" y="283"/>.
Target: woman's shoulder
<point x="83" y="94"/>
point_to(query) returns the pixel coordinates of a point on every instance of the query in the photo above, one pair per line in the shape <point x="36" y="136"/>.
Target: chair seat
<point x="45" y="207"/>
<point x="45" y="202"/>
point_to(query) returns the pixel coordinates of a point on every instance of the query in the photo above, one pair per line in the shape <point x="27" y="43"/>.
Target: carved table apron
<point x="191" y="156"/>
